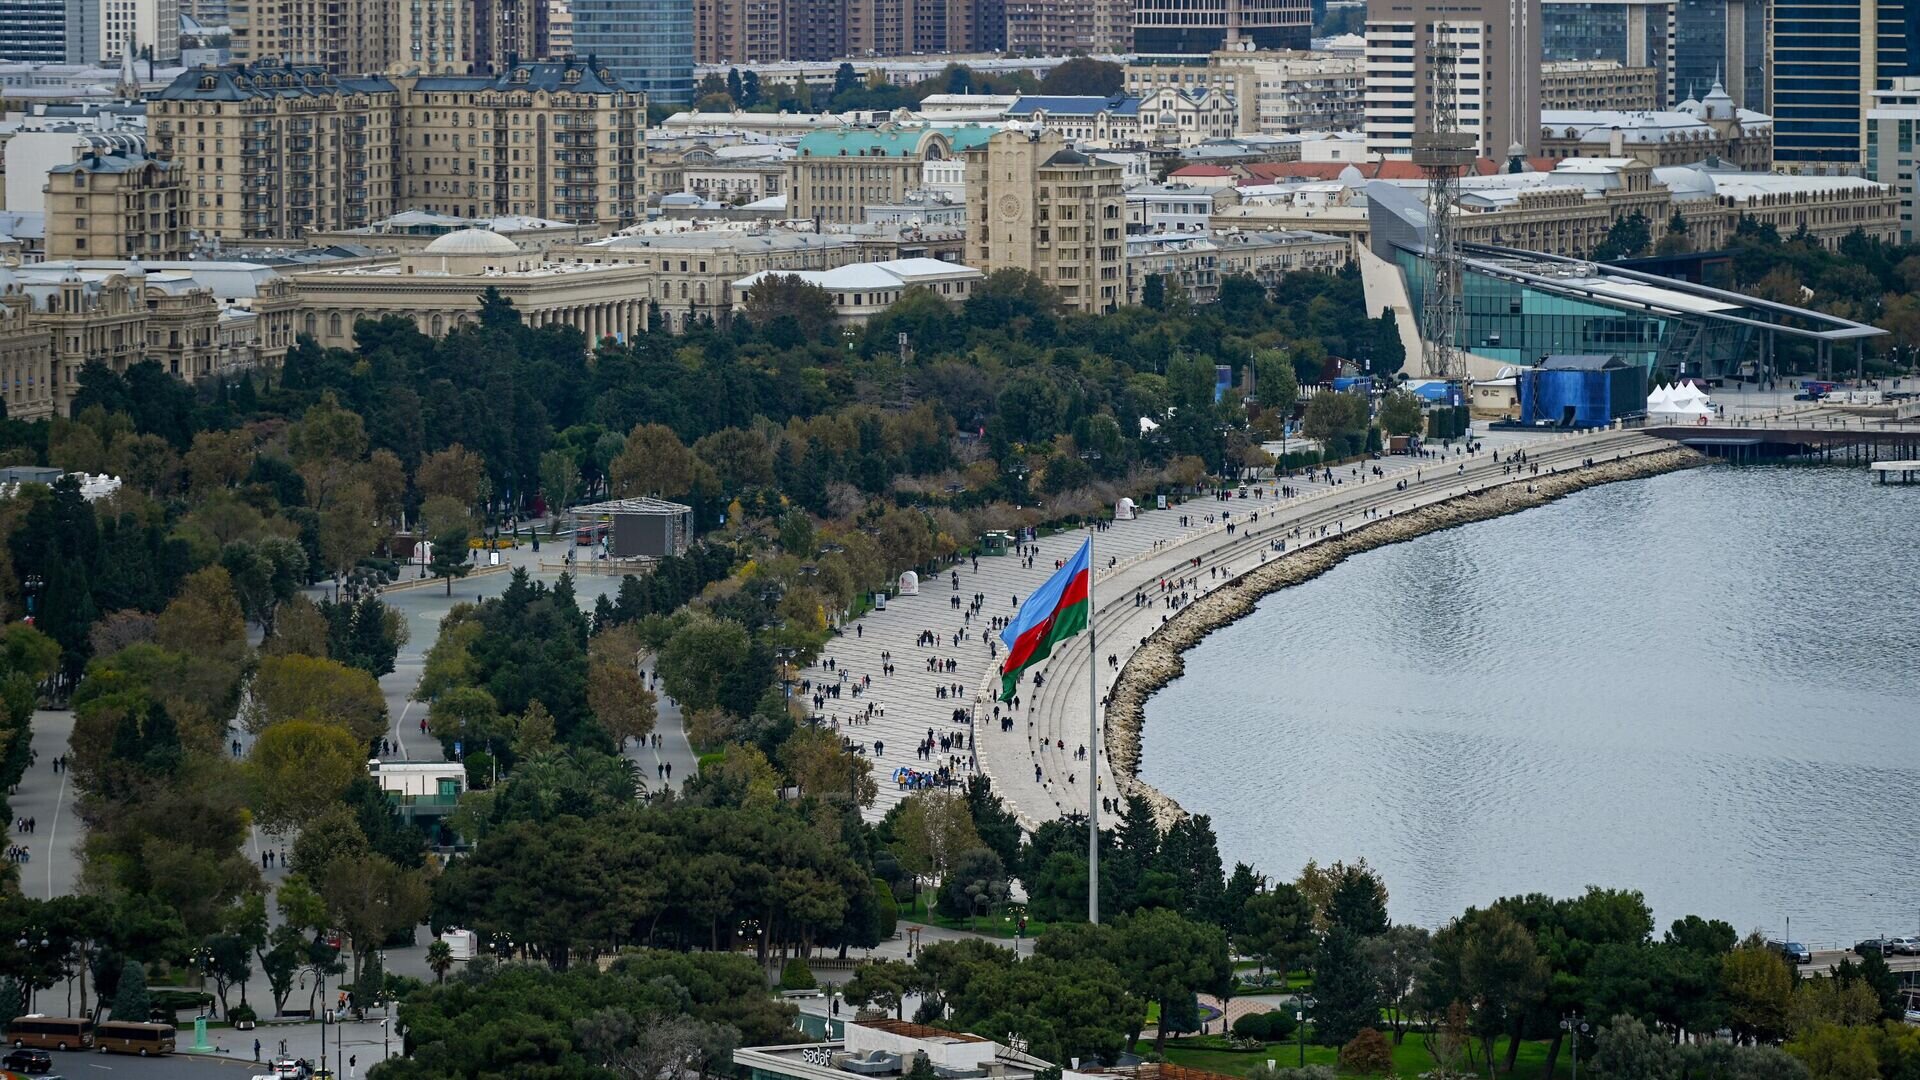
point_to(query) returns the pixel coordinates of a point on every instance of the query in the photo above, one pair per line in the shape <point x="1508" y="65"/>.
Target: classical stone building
<point x="1036" y="205"/>
<point x="689" y="274"/>
<point x="60" y="315"/>
<point x="1697" y="131"/>
<point x="439" y="288"/>
<point x="116" y="206"/>
<point x="270" y="154"/>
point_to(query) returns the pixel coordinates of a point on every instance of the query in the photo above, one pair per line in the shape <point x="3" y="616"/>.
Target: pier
<point x="1904" y="471"/>
<point x="1825" y="434"/>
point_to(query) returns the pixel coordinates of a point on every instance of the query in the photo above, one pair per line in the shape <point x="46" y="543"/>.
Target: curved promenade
<point x="1035" y="765"/>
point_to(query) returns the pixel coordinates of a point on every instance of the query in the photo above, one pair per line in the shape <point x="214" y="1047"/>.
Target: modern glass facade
<point x="647" y="41"/>
<point x="1634" y="34"/>
<point x="1724" y="40"/>
<point x="1521" y="323"/>
<point x="43" y="31"/>
<point x="1823" y="79"/>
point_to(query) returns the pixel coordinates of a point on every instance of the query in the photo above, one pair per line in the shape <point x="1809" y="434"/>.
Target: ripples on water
<point x="1701" y="685"/>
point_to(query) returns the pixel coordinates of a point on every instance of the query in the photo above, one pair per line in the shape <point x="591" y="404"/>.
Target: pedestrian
<point x="256" y="1049"/>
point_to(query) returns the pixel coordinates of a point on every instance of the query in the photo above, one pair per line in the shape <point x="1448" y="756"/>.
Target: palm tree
<point x="439" y="959"/>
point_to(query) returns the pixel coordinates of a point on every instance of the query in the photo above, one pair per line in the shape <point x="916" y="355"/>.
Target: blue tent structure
<point x="1582" y="390"/>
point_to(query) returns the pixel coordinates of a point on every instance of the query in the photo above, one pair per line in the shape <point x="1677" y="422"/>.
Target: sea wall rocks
<point x="1159" y="662"/>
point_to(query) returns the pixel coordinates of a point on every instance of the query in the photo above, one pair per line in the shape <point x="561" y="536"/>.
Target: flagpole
<point x="1093" y="742"/>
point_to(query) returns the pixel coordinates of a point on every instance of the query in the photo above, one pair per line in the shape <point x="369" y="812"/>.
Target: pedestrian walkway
<point x="1036" y="764"/>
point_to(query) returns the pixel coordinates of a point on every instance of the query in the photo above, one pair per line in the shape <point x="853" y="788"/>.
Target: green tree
<point x="1166" y="956"/>
<point x="449" y="559"/>
<point x="1346" y="987"/>
<point x="559" y="484"/>
<point x="1401" y="413"/>
<point x="131" y="1002"/>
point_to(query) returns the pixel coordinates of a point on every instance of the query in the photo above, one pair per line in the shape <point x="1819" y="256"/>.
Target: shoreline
<point x="1160" y="661"/>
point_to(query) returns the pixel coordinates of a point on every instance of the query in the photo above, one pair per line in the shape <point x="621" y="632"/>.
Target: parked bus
<point x="51" y="1032"/>
<point x="116" y="1037"/>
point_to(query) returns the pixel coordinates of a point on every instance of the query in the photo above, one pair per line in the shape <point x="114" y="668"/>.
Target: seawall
<point x="1159" y="661"/>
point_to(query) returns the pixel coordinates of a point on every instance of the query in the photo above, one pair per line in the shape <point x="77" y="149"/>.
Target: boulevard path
<point x="1131" y="557"/>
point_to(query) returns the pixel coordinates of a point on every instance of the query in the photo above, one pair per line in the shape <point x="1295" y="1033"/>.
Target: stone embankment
<point x="1159" y="662"/>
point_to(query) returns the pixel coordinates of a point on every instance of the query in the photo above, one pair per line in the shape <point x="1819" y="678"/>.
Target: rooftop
<point x="1080" y="105"/>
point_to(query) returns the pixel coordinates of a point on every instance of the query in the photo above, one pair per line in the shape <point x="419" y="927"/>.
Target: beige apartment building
<point x="1069" y="27"/>
<point x="1599" y="84"/>
<point x="269" y="154"/>
<point x="835" y="175"/>
<point x="1034" y="204"/>
<point x="1277" y="91"/>
<point x="739" y="31"/>
<point x="343" y="37"/>
<point x="116" y="206"/>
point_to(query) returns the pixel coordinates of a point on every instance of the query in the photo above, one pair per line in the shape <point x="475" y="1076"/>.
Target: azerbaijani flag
<point x="1054" y="613"/>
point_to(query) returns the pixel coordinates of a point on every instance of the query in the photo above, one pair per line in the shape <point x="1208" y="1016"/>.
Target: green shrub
<point x="242" y="1014"/>
<point x="889" y="910"/>
<point x="796" y="975"/>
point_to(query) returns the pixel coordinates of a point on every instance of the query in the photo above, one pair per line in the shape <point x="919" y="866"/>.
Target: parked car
<point x="28" y="1061"/>
<point x="1875" y="947"/>
<point x="1906" y="946"/>
<point x="1795" y="952"/>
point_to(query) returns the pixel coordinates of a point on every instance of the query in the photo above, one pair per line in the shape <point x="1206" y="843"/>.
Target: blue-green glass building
<point x="647" y="42"/>
<point x="1519" y="307"/>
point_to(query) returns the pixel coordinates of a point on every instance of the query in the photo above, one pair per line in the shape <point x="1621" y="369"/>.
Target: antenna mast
<point x="1441" y="154"/>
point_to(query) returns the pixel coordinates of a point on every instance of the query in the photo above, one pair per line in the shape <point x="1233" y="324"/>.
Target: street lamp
<point x="1575" y="1026"/>
<point x="1306" y="1003"/>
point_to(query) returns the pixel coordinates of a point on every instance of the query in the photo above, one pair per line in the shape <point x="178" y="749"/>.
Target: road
<point x="54" y="866"/>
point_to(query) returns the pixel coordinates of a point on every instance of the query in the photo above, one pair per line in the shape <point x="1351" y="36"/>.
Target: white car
<point x="1905" y="946"/>
<point x="286" y="1069"/>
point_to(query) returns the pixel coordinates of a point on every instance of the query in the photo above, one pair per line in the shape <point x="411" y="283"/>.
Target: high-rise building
<point x="506" y="31"/>
<point x="646" y="43"/>
<point x="1636" y="33"/>
<point x="46" y="31"/>
<point x="559" y="29"/>
<point x="1035" y="204"/>
<point x="1183" y="26"/>
<point x="354" y="37"/>
<point x="1496" y="74"/>
<point x="1891" y="130"/>
<point x="1829" y="56"/>
<point x="740" y="31"/>
<point x="1724" y="40"/>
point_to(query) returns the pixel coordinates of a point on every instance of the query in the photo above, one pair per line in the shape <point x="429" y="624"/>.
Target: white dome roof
<point x="473" y="242"/>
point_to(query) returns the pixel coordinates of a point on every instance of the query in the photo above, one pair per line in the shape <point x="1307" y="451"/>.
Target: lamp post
<point x="1575" y="1026"/>
<point x="1306" y="1003"/>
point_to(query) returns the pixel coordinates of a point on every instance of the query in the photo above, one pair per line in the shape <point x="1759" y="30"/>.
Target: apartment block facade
<point x="270" y="154"/>
<point x="1034" y="204"/>
<point x="116" y="206"/>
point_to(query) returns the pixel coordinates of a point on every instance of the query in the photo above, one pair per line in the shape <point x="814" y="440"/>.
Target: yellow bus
<point x="51" y="1032"/>
<point x="115" y="1037"/>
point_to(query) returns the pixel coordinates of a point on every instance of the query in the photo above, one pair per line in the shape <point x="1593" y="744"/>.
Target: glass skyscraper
<point x="1636" y="33"/>
<point x="647" y="41"/>
<point x="46" y="31"/>
<point x="1823" y="79"/>
<point x="1724" y="40"/>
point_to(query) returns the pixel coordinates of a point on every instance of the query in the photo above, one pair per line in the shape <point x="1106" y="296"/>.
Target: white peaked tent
<point x="1677" y="405"/>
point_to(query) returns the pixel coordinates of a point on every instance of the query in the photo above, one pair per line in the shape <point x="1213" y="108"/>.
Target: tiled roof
<point x="1089" y="105"/>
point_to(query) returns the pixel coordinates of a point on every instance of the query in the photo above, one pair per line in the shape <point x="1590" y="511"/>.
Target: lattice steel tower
<point x="1441" y="154"/>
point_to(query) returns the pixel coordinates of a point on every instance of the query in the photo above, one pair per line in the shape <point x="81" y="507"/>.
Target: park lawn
<point x="1296" y="982"/>
<point x="999" y="924"/>
<point x="1410" y="1058"/>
